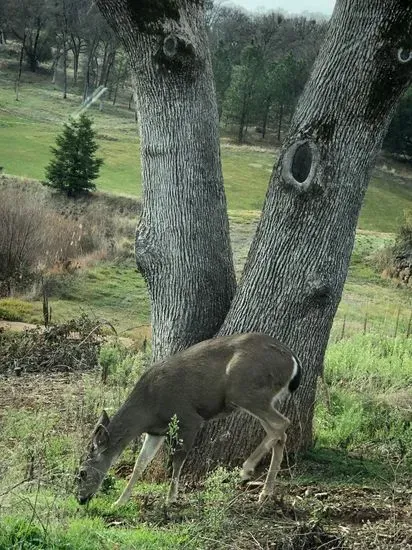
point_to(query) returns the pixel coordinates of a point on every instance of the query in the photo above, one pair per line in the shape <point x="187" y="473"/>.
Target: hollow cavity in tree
<point x="170" y="45"/>
<point x="300" y="163"/>
<point x="404" y="55"/>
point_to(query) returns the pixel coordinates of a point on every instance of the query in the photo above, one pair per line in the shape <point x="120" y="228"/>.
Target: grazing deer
<point x="251" y="372"/>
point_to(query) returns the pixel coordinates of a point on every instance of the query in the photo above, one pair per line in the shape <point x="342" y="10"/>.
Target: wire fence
<point x="394" y="324"/>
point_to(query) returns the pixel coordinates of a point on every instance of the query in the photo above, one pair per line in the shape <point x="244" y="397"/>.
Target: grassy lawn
<point x="29" y="127"/>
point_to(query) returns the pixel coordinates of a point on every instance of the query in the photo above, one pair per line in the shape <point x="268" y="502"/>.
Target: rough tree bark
<point x="294" y="276"/>
<point x="295" y="272"/>
<point x="182" y="241"/>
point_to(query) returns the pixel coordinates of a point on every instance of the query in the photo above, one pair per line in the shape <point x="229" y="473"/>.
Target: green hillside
<point x="28" y="128"/>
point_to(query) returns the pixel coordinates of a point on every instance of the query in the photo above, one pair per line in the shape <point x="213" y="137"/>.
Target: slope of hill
<point x="28" y="128"/>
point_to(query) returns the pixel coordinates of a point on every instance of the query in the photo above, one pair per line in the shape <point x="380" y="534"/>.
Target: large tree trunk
<point x="182" y="241"/>
<point x="298" y="262"/>
<point x="294" y="276"/>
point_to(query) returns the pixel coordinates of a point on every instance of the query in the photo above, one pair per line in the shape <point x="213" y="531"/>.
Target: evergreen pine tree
<point x="74" y="166"/>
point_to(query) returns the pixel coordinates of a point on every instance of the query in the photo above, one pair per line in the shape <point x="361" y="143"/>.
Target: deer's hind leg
<point x="248" y="467"/>
<point x="276" y="426"/>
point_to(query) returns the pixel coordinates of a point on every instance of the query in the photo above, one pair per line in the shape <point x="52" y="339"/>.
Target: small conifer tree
<point x="74" y="166"/>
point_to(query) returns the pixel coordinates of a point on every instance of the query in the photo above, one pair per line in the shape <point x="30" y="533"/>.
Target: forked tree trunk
<point x="293" y="279"/>
<point x="182" y="241"/>
<point x="294" y="276"/>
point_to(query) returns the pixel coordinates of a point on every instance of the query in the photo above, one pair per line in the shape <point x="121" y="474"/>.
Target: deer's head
<point x="97" y="461"/>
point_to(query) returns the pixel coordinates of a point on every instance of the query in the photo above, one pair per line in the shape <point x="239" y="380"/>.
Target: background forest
<point x="67" y="274"/>
<point x="261" y="61"/>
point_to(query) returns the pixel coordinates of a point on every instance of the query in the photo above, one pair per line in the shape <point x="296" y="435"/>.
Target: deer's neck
<point x="125" y="426"/>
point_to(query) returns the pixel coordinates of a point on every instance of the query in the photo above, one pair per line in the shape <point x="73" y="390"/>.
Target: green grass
<point x="13" y="309"/>
<point x="29" y="127"/>
<point x="363" y="451"/>
<point x="110" y="291"/>
<point x="25" y="151"/>
<point x="84" y="533"/>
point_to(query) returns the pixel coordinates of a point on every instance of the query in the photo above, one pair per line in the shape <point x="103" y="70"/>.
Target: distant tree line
<point x="261" y="61"/>
<point x="67" y="34"/>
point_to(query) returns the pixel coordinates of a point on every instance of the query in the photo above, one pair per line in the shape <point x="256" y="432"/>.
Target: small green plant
<point x="216" y="499"/>
<point x="173" y="442"/>
<point x="74" y="166"/>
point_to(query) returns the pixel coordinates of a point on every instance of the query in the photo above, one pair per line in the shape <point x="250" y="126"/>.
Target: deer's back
<point x="208" y="378"/>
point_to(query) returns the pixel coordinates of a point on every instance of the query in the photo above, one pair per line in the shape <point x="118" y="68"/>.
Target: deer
<point x="252" y="372"/>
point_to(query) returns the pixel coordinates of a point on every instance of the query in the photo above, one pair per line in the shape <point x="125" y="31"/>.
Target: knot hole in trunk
<point x="176" y="54"/>
<point x="170" y="44"/>
<point x="300" y="163"/>
<point x="404" y="55"/>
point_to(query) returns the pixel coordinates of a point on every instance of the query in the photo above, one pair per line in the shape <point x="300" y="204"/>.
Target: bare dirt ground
<point x="16" y="325"/>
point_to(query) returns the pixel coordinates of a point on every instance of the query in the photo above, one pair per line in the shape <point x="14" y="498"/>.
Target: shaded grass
<point x="333" y="466"/>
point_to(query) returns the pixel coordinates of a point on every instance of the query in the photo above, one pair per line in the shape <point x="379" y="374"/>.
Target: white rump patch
<point x="285" y="390"/>
<point x="295" y="367"/>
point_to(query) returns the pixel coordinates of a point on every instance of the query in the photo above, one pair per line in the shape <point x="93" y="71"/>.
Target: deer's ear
<point x="100" y="438"/>
<point x="100" y="433"/>
<point x="104" y="419"/>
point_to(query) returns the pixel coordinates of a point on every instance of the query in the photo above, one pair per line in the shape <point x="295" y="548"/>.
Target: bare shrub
<point x="403" y="242"/>
<point x="67" y="347"/>
<point x="382" y="260"/>
<point x="21" y="221"/>
<point x="35" y="238"/>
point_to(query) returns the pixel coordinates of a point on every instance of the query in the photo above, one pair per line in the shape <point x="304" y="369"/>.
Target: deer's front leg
<point x="151" y="445"/>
